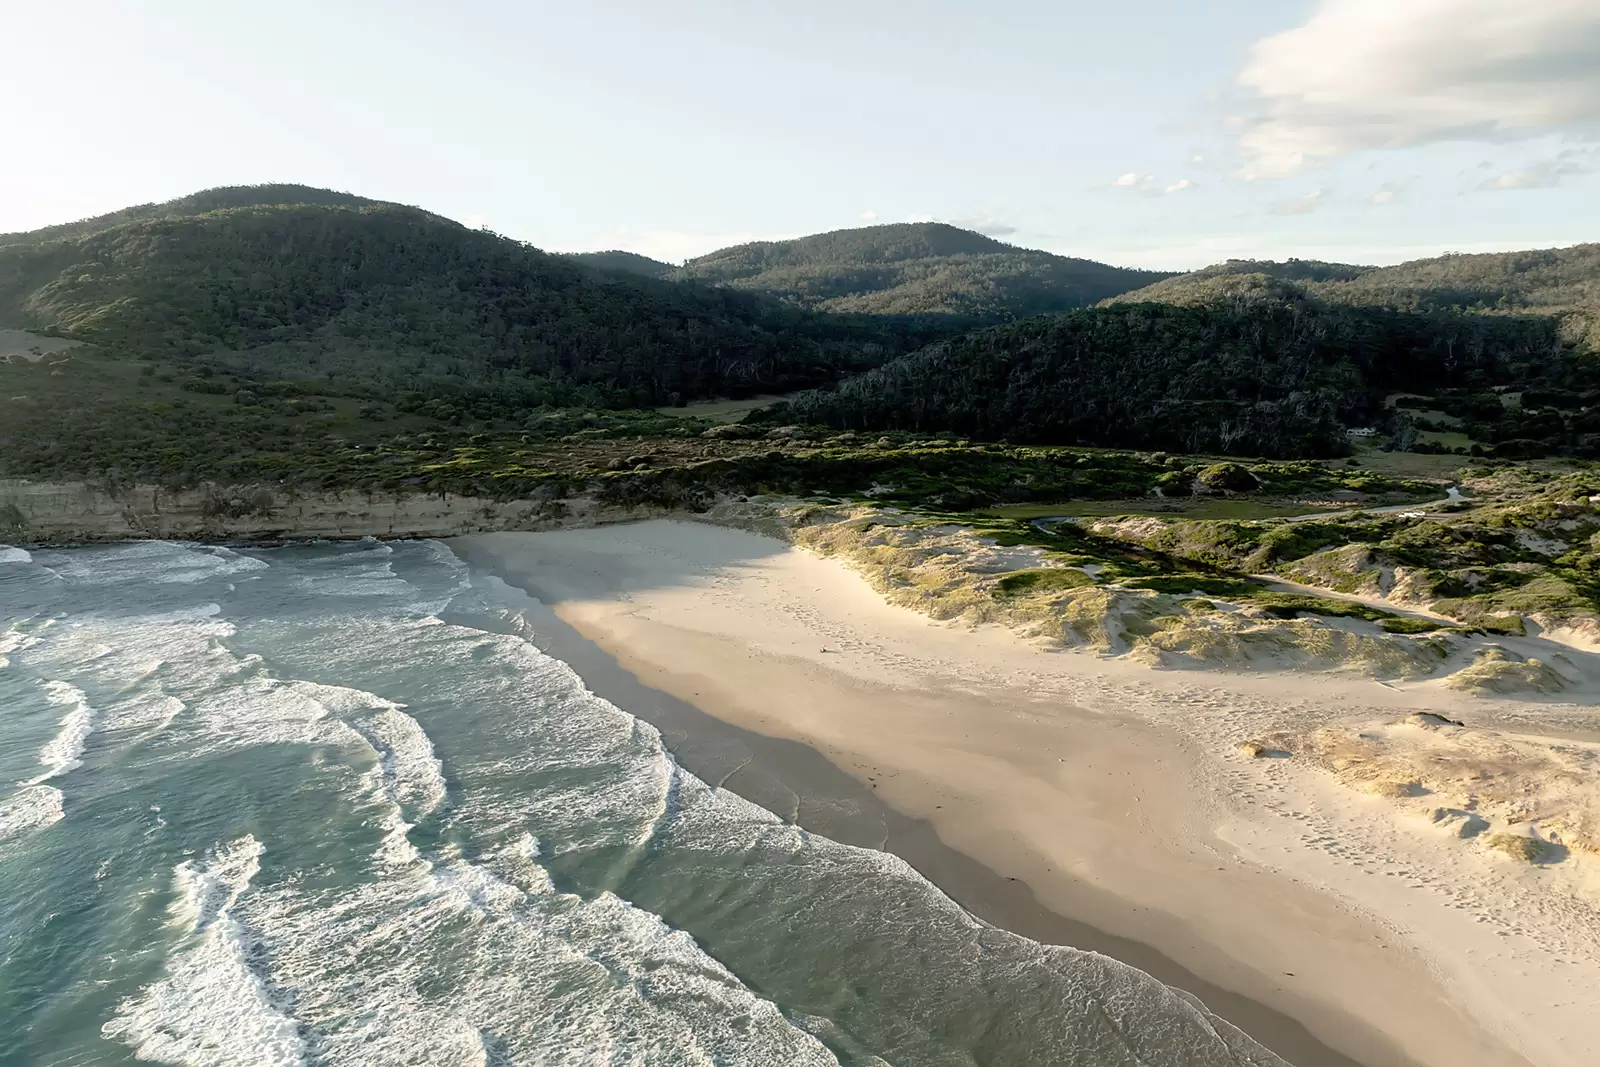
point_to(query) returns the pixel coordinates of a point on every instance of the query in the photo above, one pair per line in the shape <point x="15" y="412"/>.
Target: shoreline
<point x="800" y="783"/>
<point x="1094" y="788"/>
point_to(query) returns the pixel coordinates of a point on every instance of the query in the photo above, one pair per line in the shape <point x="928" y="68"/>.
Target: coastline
<point x="1068" y="799"/>
<point x="793" y="778"/>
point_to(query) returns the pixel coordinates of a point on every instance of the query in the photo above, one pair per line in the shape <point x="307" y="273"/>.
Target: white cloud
<point x="1545" y="175"/>
<point x="869" y="216"/>
<point x="1387" y="193"/>
<point x="1133" y="180"/>
<point x="1363" y="74"/>
<point x="1304" y="204"/>
<point x="1178" y="186"/>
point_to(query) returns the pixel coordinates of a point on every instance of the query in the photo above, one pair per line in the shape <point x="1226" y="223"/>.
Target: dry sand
<point x="1335" y="926"/>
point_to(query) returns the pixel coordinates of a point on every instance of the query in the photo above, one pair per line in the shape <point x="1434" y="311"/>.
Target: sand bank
<point x="1332" y="925"/>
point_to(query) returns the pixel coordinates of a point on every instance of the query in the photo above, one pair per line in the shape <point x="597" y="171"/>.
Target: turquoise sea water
<point x="329" y="804"/>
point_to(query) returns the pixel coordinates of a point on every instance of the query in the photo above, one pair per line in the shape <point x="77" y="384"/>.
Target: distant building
<point x="1362" y="431"/>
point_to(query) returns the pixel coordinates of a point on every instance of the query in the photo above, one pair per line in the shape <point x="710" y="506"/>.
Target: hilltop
<point x="626" y="262"/>
<point x="1562" y="282"/>
<point x="914" y="269"/>
<point x="220" y="199"/>
<point x="288" y="282"/>
<point x="208" y="321"/>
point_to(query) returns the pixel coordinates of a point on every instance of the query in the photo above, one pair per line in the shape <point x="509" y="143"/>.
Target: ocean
<point x="330" y="804"/>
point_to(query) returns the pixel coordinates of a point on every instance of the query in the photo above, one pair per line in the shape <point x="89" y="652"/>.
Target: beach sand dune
<point x="1089" y="801"/>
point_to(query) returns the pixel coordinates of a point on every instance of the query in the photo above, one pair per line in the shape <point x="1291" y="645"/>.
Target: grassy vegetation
<point x="1288" y="605"/>
<point x="1182" y="507"/>
<point x="1042" y="581"/>
<point x="1410" y="624"/>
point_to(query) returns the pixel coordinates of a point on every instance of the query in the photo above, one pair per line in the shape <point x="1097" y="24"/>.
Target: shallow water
<point x="329" y="804"/>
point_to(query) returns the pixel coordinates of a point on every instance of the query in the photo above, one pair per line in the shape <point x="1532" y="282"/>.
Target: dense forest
<point x="1264" y="370"/>
<point x="1560" y="282"/>
<point x="626" y="262"/>
<point x="914" y="269"/>
<point x="379" y="298"/>
<point x="216" y="324"/>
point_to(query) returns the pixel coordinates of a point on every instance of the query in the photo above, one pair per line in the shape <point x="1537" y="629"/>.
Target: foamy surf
<point x="31" y="808"/>
<point x="149" y="562"/>
<point x="473" y="859"/>
<point x="65" y="750"/>
<point x="212" y="1006"/>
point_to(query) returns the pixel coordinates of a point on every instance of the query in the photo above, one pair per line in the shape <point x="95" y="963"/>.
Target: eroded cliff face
<point x="78" y="512"/>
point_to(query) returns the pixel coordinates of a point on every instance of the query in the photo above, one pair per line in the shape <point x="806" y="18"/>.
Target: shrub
<point x="1228" y="478"/>
<point x="1053" y="579"/>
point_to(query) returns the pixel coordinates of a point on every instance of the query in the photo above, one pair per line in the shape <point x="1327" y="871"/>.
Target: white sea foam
<point x="211" y="1006"/>
<point x="421" y="967"/>
<point x="408" y="778"/>
<point x="32" y="807"/>
<point x="8" y="554"/>
<point x="163" y="562"/>
<point x="64" y="751"/>
<point x="355" y="578"/>
<point x="14" y="641"/>
<point x="141" y="667"/>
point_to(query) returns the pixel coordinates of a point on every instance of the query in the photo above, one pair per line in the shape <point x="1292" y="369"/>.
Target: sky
<point x="1155" y="133"/>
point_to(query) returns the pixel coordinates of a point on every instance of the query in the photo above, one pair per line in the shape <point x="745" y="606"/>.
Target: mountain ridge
<point x="914" y="268"/>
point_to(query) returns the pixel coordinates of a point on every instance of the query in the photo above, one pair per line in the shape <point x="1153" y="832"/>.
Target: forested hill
<point x="1561" y="282"/>
<point x="1267" y="371"/>
<point x="626" y="262"/>
<point x="915" y="269"/>
<point x="282" y="282"/>
<point x="194" y="204"/>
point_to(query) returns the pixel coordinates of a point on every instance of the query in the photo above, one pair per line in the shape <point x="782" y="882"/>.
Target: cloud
<point x="1133" y="180"/>
<point x="1181" y="185"/>
<point x="1304" y="204"/>
<point x="869" y="216"/>
<point x="1387" y="193"/>
<point x="1545" y="175"/>
<point x="1371" y="74"/>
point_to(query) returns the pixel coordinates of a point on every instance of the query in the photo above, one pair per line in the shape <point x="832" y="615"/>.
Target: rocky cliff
<point x="77" y="512"/>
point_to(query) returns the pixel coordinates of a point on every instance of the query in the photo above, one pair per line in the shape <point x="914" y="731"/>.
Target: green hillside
<point x="216" y="322"/>
<point x="1265" y="370"/>
<point x="626" y="262"/>
<point x="914" y="269"/>
<point x="194" y="204"/>
<point x="380" y="296"/>
<point x="1562" y="282"/>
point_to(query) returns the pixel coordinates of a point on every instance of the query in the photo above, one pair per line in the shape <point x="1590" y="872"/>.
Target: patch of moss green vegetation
<point x="1288" y="605"/>
<point x="1185" y="583"/>
<point x="1049" y="580"/>
<point x="1410" y="624"/>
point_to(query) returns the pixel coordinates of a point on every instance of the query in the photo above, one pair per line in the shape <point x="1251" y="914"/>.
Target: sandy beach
<point x="1085" y="801"/>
